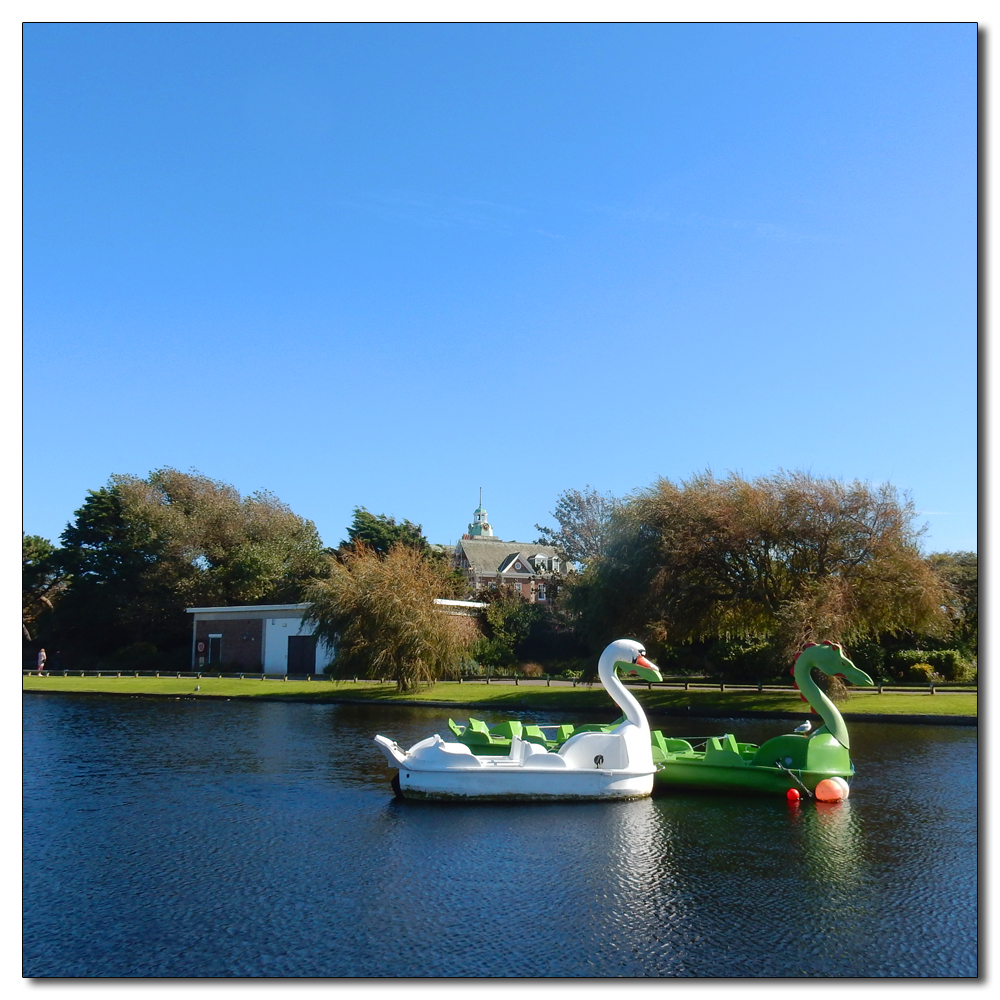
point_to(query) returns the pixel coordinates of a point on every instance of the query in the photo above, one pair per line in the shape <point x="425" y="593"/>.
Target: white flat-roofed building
<point x="272" y="638"/>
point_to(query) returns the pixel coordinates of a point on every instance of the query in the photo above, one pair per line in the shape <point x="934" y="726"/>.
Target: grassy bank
<point x="667" y="701"/>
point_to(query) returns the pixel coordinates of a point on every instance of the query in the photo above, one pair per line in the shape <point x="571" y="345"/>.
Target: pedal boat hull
<point x="784" y="762"/>
<point x="434" y="769"/>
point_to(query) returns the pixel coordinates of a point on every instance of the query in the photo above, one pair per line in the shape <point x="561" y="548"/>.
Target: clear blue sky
<point x="387" y="265"/>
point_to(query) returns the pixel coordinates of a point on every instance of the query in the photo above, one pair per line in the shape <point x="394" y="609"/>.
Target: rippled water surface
<point x="194" y="838"/>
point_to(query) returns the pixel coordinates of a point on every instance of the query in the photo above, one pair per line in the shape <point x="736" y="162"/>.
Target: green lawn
<point x="500" y="696"/>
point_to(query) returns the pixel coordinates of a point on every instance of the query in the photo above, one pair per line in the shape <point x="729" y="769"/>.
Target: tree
<point x="42" y="581"/>
<point x="140" y="551"/>
<point x="782" y="558"/>
<point x="380" y="533"/>
<point x="960" y="572"/>
<point x="505" y="622"/>
<point x="379" y="614"/>
<point x="585" y="518"/>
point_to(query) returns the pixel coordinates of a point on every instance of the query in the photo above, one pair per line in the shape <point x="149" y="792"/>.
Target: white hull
<point x="524" y="784"/>
<point x="589" y="766"/>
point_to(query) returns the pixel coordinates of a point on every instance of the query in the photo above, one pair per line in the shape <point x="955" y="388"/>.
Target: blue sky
<point x="385" y="265"/>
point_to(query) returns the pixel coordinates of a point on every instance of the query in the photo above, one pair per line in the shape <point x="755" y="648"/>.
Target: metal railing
<point x="686" y="684"/>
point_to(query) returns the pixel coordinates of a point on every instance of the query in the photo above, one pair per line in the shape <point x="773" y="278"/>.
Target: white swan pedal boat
<point x="590" y="765"/>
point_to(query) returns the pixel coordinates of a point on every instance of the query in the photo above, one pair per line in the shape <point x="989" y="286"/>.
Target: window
<point x="541" y="592"/>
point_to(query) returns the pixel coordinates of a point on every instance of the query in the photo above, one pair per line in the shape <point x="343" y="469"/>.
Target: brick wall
<point x="242" y="642"/>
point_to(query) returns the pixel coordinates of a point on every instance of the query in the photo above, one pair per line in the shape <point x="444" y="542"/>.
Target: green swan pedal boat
<point x="798" y="760"/>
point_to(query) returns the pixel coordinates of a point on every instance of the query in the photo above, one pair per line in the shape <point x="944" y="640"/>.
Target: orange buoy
<point x="832" y="790"/>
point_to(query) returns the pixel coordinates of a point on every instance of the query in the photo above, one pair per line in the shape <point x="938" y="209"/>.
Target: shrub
<point x="744" y="660"/>
<point x="947" y="663"/>
<point x="920" y="673"/>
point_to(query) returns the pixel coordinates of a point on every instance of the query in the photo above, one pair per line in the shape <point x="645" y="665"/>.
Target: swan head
<point x="829" y="657"/>
<point x="629" y="657"/>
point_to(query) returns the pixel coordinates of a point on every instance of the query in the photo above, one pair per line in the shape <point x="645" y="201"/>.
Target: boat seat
<point x="477" y="734"/>
<point x="455" y="727"/>
<point x="534" y="735"/>
<point x="507" y="729"/>
<point x="723" y="748"/>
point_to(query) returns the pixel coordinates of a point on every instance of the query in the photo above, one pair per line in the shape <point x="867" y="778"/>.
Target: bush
<point x="921" y="673"/>
<point x="744" y="660"/>
<point x="947" y="663"/>
<point x="494" y="654"/>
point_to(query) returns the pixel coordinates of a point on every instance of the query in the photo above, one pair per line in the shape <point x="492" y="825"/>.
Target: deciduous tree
<point x="379" y="614"/>
<point x="585" y="518"/>
<point x="140" y="551"/>
<point x="786" y="557"/>
<point x="960" y="572"/>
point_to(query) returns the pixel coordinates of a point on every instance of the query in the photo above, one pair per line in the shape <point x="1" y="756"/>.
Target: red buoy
<point x="792" y="795"/>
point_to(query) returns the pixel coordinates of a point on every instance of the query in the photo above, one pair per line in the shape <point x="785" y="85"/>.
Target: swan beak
<point x="644" y="669"/>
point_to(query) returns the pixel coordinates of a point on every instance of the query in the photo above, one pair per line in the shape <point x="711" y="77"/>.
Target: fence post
<point x="722" y="686"/>
<point x="932" y="687"/>
<point x="760" y="687"/>
<point x="686" y="685"/>
<point x="880" y="689"/>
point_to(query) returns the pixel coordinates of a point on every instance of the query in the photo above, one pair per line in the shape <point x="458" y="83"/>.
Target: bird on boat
<point x="804" y="728"/>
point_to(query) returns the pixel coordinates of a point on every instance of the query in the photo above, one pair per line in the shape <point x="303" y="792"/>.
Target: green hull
<point x="745" y="778"/>
<point x="788" y="761"/>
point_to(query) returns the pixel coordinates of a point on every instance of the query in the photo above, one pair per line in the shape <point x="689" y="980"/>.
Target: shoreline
<point x="653" y="712"/>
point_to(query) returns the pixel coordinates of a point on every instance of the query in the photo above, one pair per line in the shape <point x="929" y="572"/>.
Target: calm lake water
<point x="195" y="838"/>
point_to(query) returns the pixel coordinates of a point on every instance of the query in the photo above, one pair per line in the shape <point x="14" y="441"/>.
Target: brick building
<point x="488" y="561"/>
<point x="271" y="638"/>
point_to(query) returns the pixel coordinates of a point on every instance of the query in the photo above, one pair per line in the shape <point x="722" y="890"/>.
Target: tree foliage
<point x="140" y="551"/>
<point x="379" y="614"/>
<point x="585" y="518"/>
<point x="960" y="572"/>
<point x="505" y="623"/>
<point x="782" y="558"/>
<point x="43" y="580"/>
<point x="380" y="532"/>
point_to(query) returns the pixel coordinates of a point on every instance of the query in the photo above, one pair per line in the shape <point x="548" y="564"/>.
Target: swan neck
<point x="817" y="698"/>
<point x="621" y="695"/>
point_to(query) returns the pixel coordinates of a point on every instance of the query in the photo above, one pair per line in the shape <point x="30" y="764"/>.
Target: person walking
<point x="41" y="661"/>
